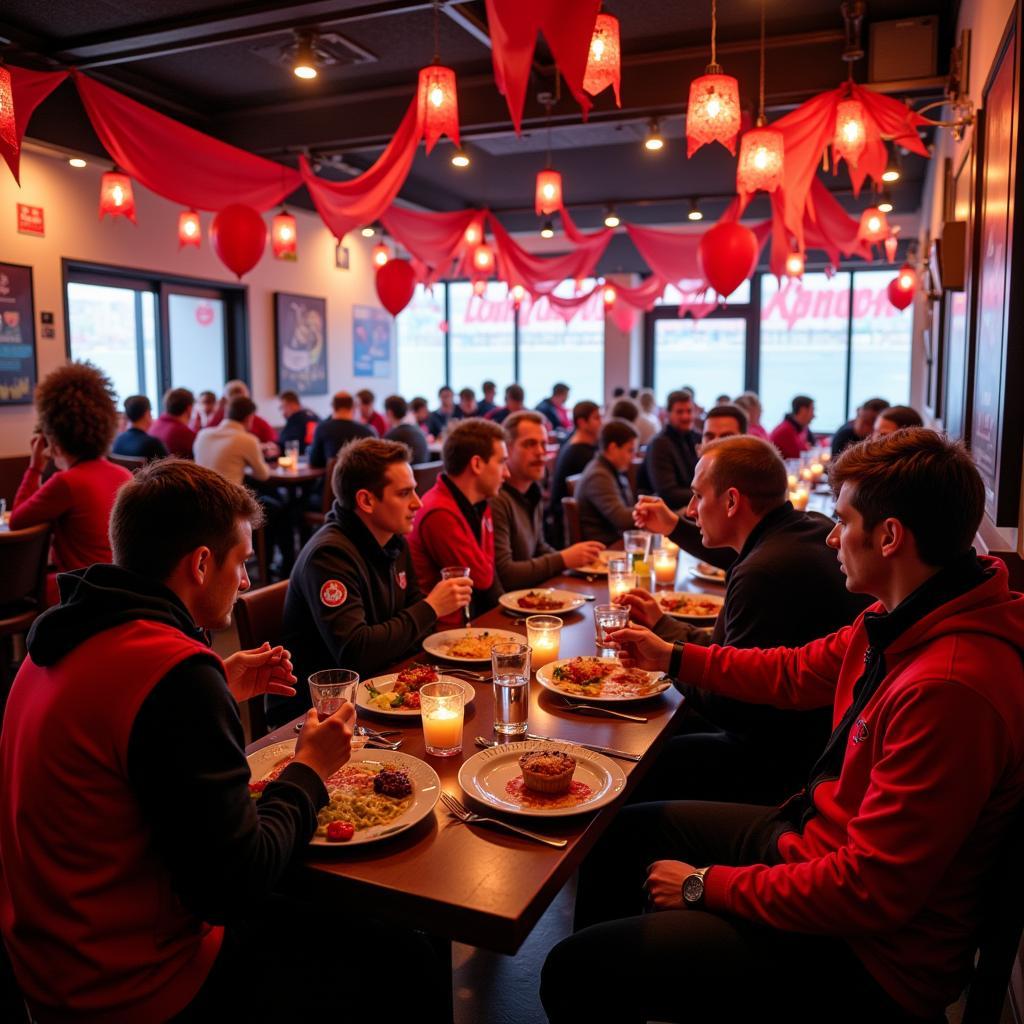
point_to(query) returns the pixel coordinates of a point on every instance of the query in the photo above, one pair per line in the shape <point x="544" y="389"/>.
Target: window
<point x="880" y="347"/>
<point x="197" y="331"/>
<point x="421" y="344"/>
<point x="481" y="337"/>
<point x="707" y="355"/>
<point x="672" y="296"/>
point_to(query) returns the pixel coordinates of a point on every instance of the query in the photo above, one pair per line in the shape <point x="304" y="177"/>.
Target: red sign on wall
<point x="30" y="220"/>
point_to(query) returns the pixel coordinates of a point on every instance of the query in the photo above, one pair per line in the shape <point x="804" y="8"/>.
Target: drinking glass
<point x="442" y="708"/>
<point x="543" y="634"/>
<point x="607" y="618"/>
<point x="637" y="545"/>
<point x="291" y="451"/>
<point x="329" y="689"/>
<point x="510" y="668"/>
<point x="456" y="572"/>
<point x="620" y="582"/>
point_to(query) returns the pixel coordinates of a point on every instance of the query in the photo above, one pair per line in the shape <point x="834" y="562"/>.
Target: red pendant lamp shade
<point x="284" y="236"/>
<point x="473" y="234"/>
<point x="190" y="231"/>
<point x="380" y="254"/>
<point x="874" y="227"/>
<point x="8" y="128"/>
<point x="851" y="131"/>
<point x="907" y="277"/>
<point x="761" y="158"/>
<point x="795" y="264"/>
<point x="483" y="258"/>
<point x="604" y="66"/>
<point x="518" y="293"/>
<point x="116" y="196"/>
<point x="609" y="295"/>
<point x="549" y="192"/>
<point x="890" y="248"/>
<point x="439" y="104"/>
<point x="713" y="114"/>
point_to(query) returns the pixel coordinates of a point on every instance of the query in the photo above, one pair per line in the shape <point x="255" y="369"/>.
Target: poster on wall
<point x="300" y="331"/>
<point x="372" y="341"/>
<point x="17" y="336"/>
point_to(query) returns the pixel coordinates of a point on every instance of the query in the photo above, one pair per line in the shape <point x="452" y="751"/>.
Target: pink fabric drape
<point x="670" y="254"/>
<point x="28" y="89"/>
<point x="434" y="239"/>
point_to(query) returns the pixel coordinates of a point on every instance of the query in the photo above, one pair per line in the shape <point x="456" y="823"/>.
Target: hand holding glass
<point x="454" y="572"/>
<point x="329" y="689"/>
<point x="608" y="618"/>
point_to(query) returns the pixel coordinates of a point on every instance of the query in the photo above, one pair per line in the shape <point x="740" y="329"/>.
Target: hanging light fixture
<point x="190" y="231"/>
<point x="851" y="135"/>
<point x="548" y="193"/>
<point x="654" y="140"/>
<point x="695" y="211"/>
<point x="885" y="204"/>
<point x="874" y="227"/>
<point x="761" y="149"/>
<point x="305" y="61"/>
<point x="906" y="278"/>
<point x="892" y="169"/>
<point x="284" y="236"/>
<point x="713" y="113"/>
<point x="483" y="258"/>
<point x="472" y="234"/>
<point x="438" y="99"/>
<point x="609" y="295"/>
<point x="369" y="231"/>
<point x="116" y="196"/>
<point x="479" y="287"/>
<point x="518" y="293"/>
<point x="8" y="125"/>
<point x="380" y="254"/>
<point x="891" y="244"/>
<point x="604" y="64"/>
<point x="611" y="218"/>
<point x="460" y="158"/>
<point x="547" y="229"/>
<point x="795" y="264"/>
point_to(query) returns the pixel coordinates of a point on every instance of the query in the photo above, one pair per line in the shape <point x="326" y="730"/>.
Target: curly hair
<point x="77" y="407"/>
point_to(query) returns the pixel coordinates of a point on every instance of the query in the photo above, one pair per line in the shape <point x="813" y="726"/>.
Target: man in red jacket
<point x="793" y="435"/>
<point x="860" y="898"/>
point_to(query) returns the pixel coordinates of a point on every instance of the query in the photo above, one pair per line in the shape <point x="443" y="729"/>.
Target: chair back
<point x="571" y="482"/>
<point x="133" y="463"/>
<point x="426" y="474"/>
<point x="259" y="616"/>
<point x="24" y="554"/>
<point x="571" y="521"/>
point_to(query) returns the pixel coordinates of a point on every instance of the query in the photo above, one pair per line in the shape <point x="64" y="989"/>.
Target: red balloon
<point x="396" y="282"/>
<point x="900" y="297"/>
<point x="238" y="236"/>
<point x="727" y="256"/>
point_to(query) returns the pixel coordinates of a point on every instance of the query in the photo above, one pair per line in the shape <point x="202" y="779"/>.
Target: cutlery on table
<point x="625" y="755"/>
<point x="602" y="711"/>
<point x="472" y="818"/>
<point x="365" y="730"/>
<point x="473" y="677"/>
<point x="375" y="743"/>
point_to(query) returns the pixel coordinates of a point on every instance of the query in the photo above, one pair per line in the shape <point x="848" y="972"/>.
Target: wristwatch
<point x="693" y="888"/>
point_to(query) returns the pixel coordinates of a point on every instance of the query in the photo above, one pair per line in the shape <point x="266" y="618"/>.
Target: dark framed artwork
<point x="300" y="342"/>
<point x="18" y="370"/>
<point x="997" y="416"/>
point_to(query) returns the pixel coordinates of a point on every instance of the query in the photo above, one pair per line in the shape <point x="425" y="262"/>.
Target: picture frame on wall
<point x="18" y="367"/>
<point x="300" y="343"/>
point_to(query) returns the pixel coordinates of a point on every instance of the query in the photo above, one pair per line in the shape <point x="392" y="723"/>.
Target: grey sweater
<point x="605" y="502"/>
<point x="521" y="555"/>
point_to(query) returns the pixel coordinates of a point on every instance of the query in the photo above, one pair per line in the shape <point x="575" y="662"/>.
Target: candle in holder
<point x="665" y="565"/>
<point x="668" y="545"/>
<point x="817" y="470"/>
<point x="805" y="474"/>
<point x="544" y="635"/>
<point x="620" y="583"/>
<point x="442" y="707"/>
<point x="826" y="455"/>
<point x="799" y="498"/>
<point x="792" y="480"/>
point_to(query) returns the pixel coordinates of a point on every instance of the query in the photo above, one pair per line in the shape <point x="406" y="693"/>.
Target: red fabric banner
<point x="434" y="239"/>
<point x="28" y="89"/>
<point x="670" y="254"/>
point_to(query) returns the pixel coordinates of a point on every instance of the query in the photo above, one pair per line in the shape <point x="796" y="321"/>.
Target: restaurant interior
<point x="622" y="198"/>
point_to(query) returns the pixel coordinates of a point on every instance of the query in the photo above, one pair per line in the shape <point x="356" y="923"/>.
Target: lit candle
<point x="817" y="469"/>
<point x="667" y="545"/>
<point x="442" y="711"/>
<point x="443" y="728"/>
<point x="826" y="455"/>
<point x="792" y="480"/>
<point x="544" y="635"/>
<point x="805" y="473"/>
<point x="799" y="498"/>
<point x="665" y="565"/>
<point x="620" y="583"/>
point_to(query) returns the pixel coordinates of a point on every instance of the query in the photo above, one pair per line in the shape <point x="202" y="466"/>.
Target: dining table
<point x="296" y="476"/>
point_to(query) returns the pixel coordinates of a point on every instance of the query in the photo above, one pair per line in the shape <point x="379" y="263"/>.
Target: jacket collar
<point x="359" y="533"/>
<point x="768" y="523"/>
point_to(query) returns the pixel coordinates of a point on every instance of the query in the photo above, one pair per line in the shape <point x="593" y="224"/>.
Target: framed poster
<point x="997" y="418"/>
<point x="18" y="373"/>
<point x="372" y="341"/>
<point x="300" y="333"/>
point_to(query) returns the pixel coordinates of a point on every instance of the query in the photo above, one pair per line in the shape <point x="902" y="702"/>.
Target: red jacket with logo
<point x="895" y="858"/>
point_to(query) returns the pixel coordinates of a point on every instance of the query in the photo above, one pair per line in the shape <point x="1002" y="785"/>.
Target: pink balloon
<point x="727" y="256"/>
<point x="238" y="236"/>
<point x="900" y="297"/>
<point x="396" y="282"/>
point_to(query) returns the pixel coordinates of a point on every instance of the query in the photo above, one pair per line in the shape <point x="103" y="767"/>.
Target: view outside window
<point x="551" y="350"/>
<point x="420" y="338"/>
<point x="482" y="337"/>
<point x="672" y="296"/>
<point x="197" y="342"/>
<point x="881" y="342"/>
<point x="707" y="355"/>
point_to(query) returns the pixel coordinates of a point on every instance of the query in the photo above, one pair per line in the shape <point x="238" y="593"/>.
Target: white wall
<point x="70" y="200"/>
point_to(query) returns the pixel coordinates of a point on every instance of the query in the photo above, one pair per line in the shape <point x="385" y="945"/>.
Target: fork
<point x="602" y="711"/>
<point x="472" y="818"/>
<point x="473" y="677"/>
<point x="376" y="743"/>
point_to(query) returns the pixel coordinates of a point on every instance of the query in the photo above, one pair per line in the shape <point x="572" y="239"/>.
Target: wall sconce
<point x="960" y="104"/>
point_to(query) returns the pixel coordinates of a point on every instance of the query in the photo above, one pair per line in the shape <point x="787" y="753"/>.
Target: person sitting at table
<point x="467" y="406"/>
<point x="554" y="410"/>
<point x="515" y="399"/>
<point x="487" y="403"/>
<point x="896" y="417"/>
<point x="231" y="448"/>
<point x="353" y="599"/>
<point x="672" y="455"/>
<point x="603" y="494"/>
<point x="399" y="429"/>
<point x="861" y="897"/>
<point x="862" y="425"/>
<point x="522" y="557"/>
<point x="444" y="413"/>
<point x="420" y="412"/>
<point x="206" y="406"/>
<point x="368" y="414"/>
<point x="299" y="422"/>
<point x="260" y="428"/>
<point x="784" y="589"/>
<point x="333" y="434"/>
<point x="647" y="422"/>
<point x="572" y="459"/>
<point x="77" y="417"/>
<point x="172" y="425"/>
<point x="750" y="405"/>
<point x="135" y="442"/>
<point x="793" y="435"/>
<point x="454" y="526"/>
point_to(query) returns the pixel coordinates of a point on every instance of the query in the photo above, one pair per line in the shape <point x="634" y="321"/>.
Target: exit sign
<point x="30" y="220"/>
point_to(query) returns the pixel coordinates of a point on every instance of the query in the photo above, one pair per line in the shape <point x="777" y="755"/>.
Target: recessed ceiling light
<point x="547" y="230"/>
<point x="694" y="213"/>
<point x="77" y="161"/>
<point x="654" y="140"/>
<point x="611" y="218"/>
<point x="886" y="203"/>
<point x="305" y="60"/>
<point x="460" y="158"/>
<point x="368" y="231"/>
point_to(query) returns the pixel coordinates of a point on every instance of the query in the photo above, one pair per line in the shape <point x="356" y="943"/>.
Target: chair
<point x="571" y="482"/>
<point x="426" y="474"/>
<point x="571" y="521"/>
<point x="24" y="555"/>
<point x="259" y="616"/>
<point x="314" y="520"/>
<point x="133" y="463"/>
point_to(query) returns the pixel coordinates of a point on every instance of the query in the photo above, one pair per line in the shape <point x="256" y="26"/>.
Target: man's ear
<point x="364" y="501"/>
<point x="199" y="564"/>
<point x="893" y="537"/>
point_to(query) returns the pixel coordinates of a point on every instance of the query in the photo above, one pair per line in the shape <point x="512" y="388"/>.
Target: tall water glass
<point x="607" y="618"/>
<point x="510" y="668"/>
<point x="458" y="572"/>
<point x="329" y="689"/>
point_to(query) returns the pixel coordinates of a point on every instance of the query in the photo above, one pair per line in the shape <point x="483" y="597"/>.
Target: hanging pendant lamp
<point x="851" y="135"/>
<point x="438" y="99"/>
<point x="762" y="149"/>
<point x="604" y="63"/>
<point x="190" y="230"/>
<point x="548" y="193"/>
<point x="874" y="226"/>
<point x="8" y="124"/>
<point x="713" y="113"/>
<point x="116" y="196"/>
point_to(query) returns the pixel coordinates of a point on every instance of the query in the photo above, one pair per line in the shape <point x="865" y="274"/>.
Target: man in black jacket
<point x="297" y="420"/>
<point x="672" y="455"/>
<point x="573" y="457"/>
<point x="353" y="600"/>
<point x="135" y="441"/>
<point x="784" y="589"/>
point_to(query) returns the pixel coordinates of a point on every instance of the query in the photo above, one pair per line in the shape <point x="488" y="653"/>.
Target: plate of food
<point x="542" y="601"/>
<point x="691" y="607"/>
<point x="599" y="566"/>
<point x="600" y="679"/>
<point x="469" y="644"/>
<point x="398" y="694"/>
<point x="376" y="794"/>
<point x="541" y="779"/>
<point x="708" y="572"/>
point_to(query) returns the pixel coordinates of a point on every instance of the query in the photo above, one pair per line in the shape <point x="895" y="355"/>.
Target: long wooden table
<point x="477" y="884"/>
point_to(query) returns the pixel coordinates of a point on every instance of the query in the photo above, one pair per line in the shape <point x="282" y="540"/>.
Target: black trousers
<point x="628" y="964"/>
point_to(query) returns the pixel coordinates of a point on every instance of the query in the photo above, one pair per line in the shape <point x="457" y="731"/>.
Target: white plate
<point x="438" y="643"/>
<point x="715" y="599"/>
<point x="384" y="684"/>
<point x="546" y="679"/>
<point x="599" y="567"/>
<point x="701" y="571"/>
<point x="426" y="787"/>
<point x="484" y="776"/>
<point x="570" y="601"/>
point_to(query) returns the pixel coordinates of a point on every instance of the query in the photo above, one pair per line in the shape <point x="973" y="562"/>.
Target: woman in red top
<point x="77" y="422"/>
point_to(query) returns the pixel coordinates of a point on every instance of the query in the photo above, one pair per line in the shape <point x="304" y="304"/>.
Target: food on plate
<point x="340" y="831"/>
<point x="603" y="677"/>
<point x="689" y="604"/>
<point x="404" y="692"/>
<point x="540" y="601"/>
<point x="547" y="771"/>
<point x="474" y="646"/>
<point x="392" y="782"/>
<point x="519" y="793"/>
<point x="706" y="569"/>
<point x="412" y="678"/>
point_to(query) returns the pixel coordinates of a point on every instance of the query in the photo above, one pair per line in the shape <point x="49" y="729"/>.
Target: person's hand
<point x="270" y="450"/>
<point x="326" y="746"/>
<point x="644" y="610"/>
<point x="584" y="553"/>
<point x="665" y="883"/>
<point x="40" y="452"/>
<point x="450" y="595"/>
<point x="653" y="514"/>
<point x="264" y="670"/>
<point x="640" y="648"/>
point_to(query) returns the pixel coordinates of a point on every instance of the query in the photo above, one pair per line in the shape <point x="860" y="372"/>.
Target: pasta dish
<point x="601" y="677"/>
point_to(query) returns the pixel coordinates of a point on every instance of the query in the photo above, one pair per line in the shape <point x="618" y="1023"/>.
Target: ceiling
<point x="218" y="68"/>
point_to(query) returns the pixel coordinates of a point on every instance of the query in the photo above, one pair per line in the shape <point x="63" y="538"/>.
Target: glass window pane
<point x="482" y="337"/>
<point x="803" y="346"/>
<point x="421" y="344"/>
<point x="880" y="364"/>
<point x="672" y="296"/>
<point x="104" y="331"/>
<point x="551" y="350"/>
<point x="706" y="355"/>
<point x="197" y="342"/>
<point x="152" y="386"/>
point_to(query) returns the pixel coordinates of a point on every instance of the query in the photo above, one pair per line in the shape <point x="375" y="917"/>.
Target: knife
<point x="610" y="751"/>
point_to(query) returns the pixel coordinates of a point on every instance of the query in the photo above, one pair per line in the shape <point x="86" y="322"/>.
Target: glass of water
<point x="510" y="667"/>
<point x="607" y="618"/>
<point x="329" y="689"/>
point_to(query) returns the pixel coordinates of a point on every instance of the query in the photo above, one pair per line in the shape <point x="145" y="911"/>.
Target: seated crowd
<point x="824" y="816"/>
